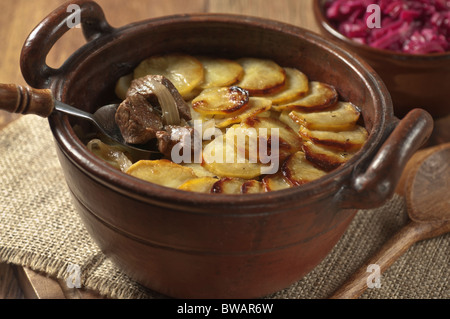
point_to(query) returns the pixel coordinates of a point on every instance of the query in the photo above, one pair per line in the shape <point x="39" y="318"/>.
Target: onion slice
<point x="170" y="114"/>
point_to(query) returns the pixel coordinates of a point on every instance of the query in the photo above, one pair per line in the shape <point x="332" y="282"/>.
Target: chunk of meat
<point x="137" y="119"/>
<point x="172" y="135"/>
<point x="140" y="116"/>
<point x="145" y="87"/>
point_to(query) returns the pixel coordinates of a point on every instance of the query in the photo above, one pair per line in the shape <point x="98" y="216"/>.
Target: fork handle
<point x="25" y="100"/>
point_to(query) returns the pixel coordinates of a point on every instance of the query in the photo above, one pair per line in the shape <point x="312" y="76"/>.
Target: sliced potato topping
<point x="252" y="187"/>
<point x="195" y="115"/>
<point x="341" y="117"/>
<point x="229" y="186"/>
<point x="222" y="159"/>
<point x="241" y="103"/>
<point x="198" y="169"/>
<point x="184" y="71"/>
<point x="161" y="172"/>
<point x="199" y="185"/>
<point x="123" y="85"/>
<point x="256" y="106"/>
<point x="286" y="119"/>
<point x="298" y="170"/>
<point x="296" y="86"/>
<point x="221" y="100"/>
<point x="344" y="140"/>
<point x="320" y="96"/>
<point x="325" y="157"/>
<point x="275" y="182"/>
<point x="261" y="76"/>
<point x="289" y="141"/>
<point x="268" y="113"/>
<point x="220" y="72"/>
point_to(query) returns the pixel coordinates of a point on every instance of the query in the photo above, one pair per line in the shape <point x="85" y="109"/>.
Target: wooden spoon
<point x="425" y="185"/>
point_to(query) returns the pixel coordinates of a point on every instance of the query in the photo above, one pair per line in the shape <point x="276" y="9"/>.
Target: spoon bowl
<point x="25" y="100"/>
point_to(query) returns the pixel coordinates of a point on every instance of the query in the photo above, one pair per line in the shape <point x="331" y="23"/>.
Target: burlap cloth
<point x="40" y="229"/>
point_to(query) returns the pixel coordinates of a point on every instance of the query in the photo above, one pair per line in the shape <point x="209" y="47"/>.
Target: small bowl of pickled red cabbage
<point x="407" y="42"/>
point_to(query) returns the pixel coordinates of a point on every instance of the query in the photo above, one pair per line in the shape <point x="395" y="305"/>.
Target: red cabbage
<point x="408" y="26"/>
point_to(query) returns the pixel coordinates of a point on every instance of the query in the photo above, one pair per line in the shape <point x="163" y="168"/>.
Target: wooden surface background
<point x="19" y="17"/>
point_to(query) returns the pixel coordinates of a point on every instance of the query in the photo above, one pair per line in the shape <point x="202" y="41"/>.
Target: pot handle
<point x="40" y="41"/>
<point x="376" y="182"/>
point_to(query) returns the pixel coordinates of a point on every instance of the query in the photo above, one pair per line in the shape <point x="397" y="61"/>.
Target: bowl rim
<point x="324" y="23"/>
<point x="74" y="150"/>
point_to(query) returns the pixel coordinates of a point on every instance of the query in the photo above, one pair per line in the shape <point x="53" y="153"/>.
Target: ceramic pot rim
<point x="72" y="147"/>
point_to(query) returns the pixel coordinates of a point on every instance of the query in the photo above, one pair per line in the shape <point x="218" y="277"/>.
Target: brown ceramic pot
<point x="192" y="245"/>
<point x="412" y="80"/>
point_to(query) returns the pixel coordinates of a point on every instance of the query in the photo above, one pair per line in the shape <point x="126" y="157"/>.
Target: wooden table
<point x="17" y="20"/>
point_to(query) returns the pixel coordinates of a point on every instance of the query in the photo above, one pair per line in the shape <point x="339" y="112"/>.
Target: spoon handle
<point x="25" y="100"/>
<point x="388" y="254"/>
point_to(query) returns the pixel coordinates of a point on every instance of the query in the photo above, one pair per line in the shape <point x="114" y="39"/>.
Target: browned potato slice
<point x="198" y="169"/>
<point x="221" y="100"/>
<point x="344" y="140"/>
<point x="324" y="157"/>
<point x="122" y="86"/>
<point x="256" y="106"/>
<point x="220" y="72"/>
<point x="195" y="116"/>
<point x="319" y="97"/>
<point x="184" y="71"/>
<point x="223" y="160"/>
<point x="252" y="187"/>
<point x="288" y="140"/>
<point x="228" y="186"/>
<point x="268" y="113"/>
<point x="286" y="119"/>
<point x="161" y="172"/>
<point x="199" y="185"/>
<point x="341" y="117"/>
<point x="296" y="86"/>
<point x="276" y="182"/>
<point x="261" y="76"/>
<point x="298" y="170"/>
<point x="208" y="122"/>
